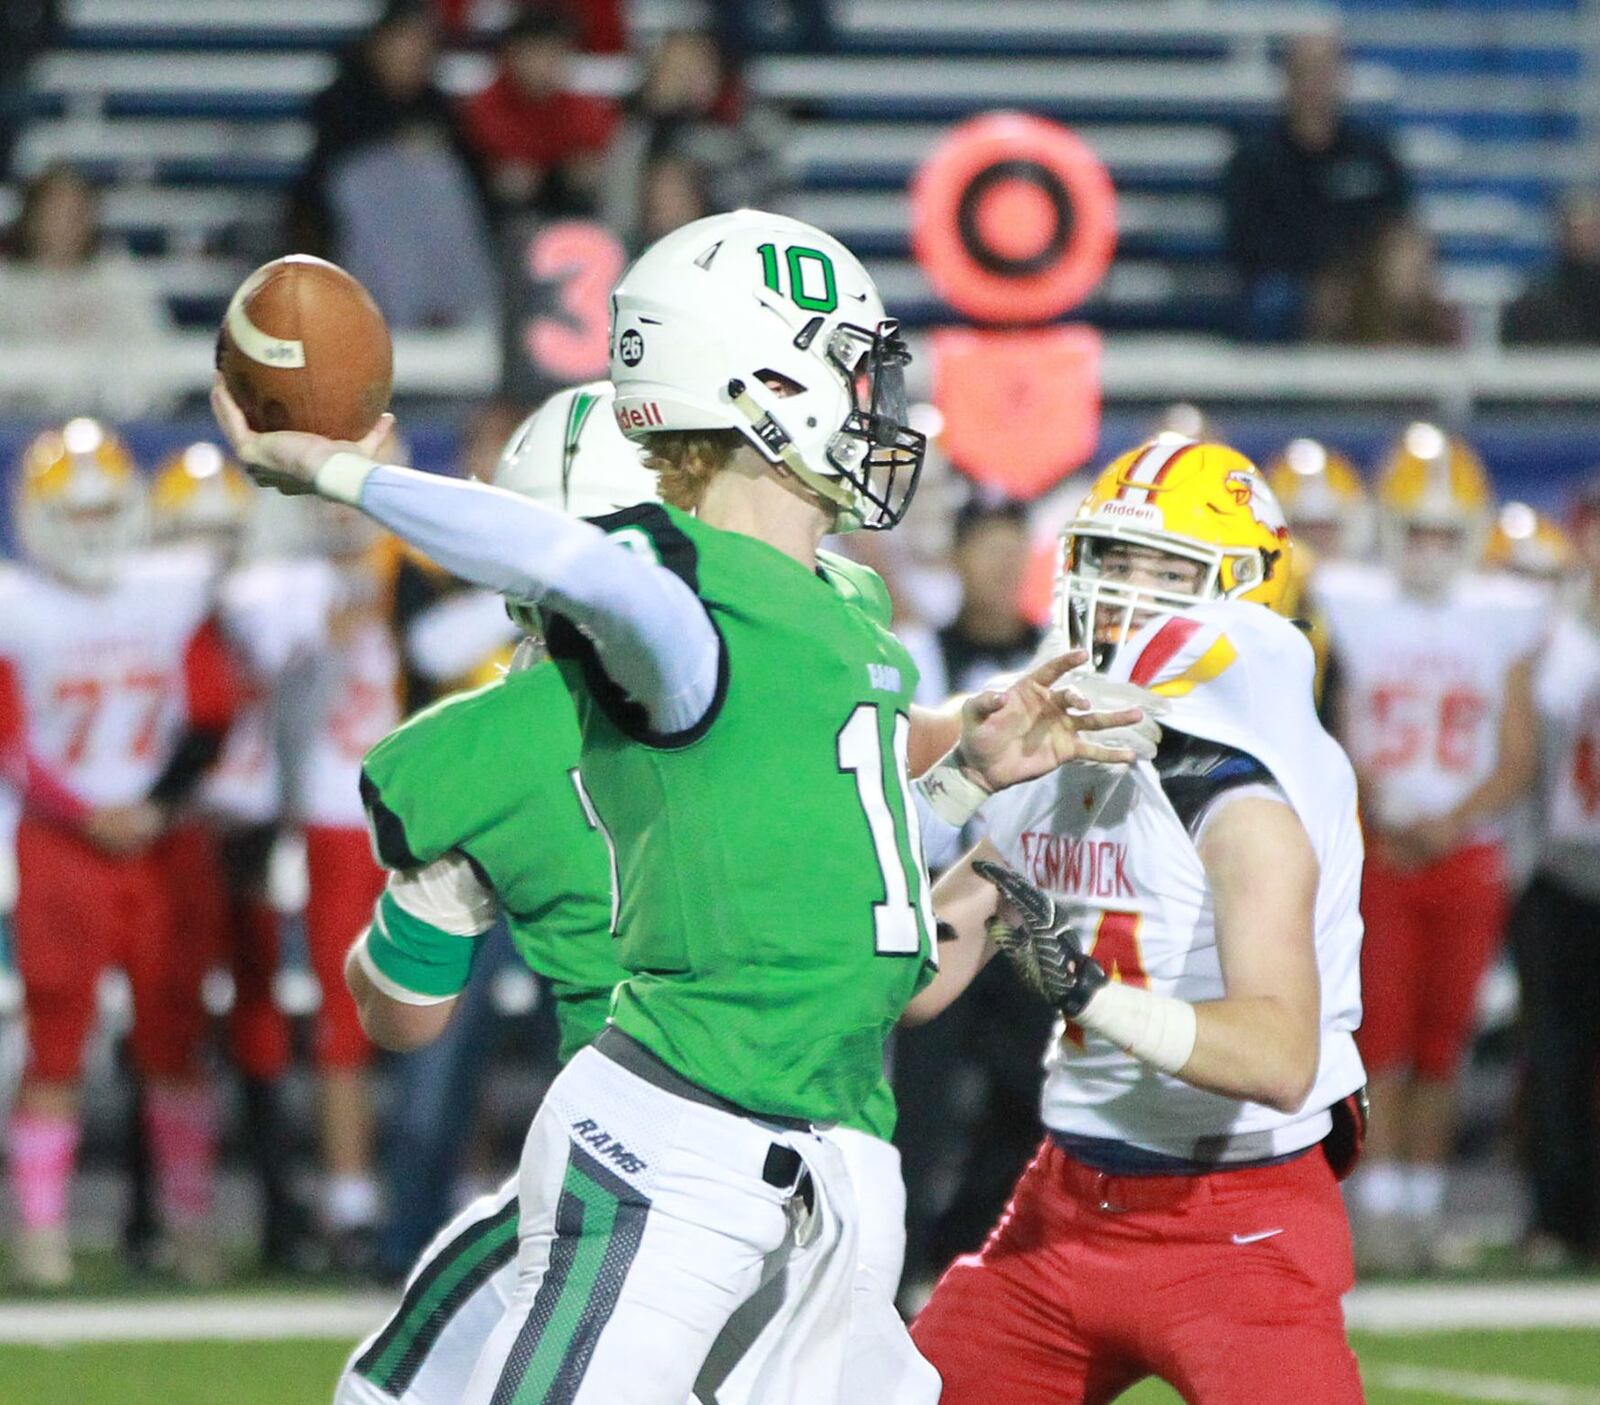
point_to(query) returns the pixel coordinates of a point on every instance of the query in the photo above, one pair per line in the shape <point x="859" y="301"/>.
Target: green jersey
<point x="493" y="775"/>
<point x="775" y="916"/>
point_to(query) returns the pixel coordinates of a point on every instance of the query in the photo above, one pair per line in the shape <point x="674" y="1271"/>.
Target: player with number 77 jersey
<point x="745" y="729"/>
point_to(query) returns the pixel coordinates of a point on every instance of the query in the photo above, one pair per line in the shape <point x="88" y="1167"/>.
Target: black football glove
<point x="1044" y="949"/>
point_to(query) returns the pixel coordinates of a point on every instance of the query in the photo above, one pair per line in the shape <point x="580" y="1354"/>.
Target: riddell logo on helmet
<point x="1139" y="514"/>
<point x="643" y="416"/>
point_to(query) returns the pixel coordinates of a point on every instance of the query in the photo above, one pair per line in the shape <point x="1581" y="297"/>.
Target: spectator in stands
<point x="673" y="192"/>
<point x="543" y="144"/>
<point x="690" y="106"/>
<point x="1301" y="194"/>
<point x="1386" y="294"/>
<point x="1562" y="304"/>
<point x="67" y="301"/>
<point x="599" y="23"/>
<point x="1555" y="926"/>
<point x="25" y="27"/>
<point x="383" y="93"/>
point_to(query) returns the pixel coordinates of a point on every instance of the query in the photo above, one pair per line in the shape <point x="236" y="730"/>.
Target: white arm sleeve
<point x="651" y="633"/>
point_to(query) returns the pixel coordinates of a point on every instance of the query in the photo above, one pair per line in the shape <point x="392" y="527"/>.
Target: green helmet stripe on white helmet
<point x="569" y="455"/>
<point x="763" y="324"/>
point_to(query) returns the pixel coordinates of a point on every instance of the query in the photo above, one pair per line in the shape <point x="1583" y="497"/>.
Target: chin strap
<point x="834" y="491"/>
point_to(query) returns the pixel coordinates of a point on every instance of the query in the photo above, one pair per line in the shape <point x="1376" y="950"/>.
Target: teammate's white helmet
<point x="569" y="455"/>
<point x="764" y="324"/>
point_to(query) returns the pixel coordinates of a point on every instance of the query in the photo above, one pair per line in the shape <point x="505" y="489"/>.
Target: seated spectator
<point x="689" y="105"/>
<point x="384" y="92"/>
<point x="673" y="192"/>
<point x="542" y="144"/>
<point x="25" y="27"/>
<point x="435" y="273"/>
<point x="1302" y="193"/>
<point x="599" y="23"/>
<point x="1562" y="304"/>
<point x="97" y="312"/>
<point x="1386" y="294"/>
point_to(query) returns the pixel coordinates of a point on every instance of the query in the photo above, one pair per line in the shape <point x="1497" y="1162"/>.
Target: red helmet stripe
<point x="1140" y="492"/>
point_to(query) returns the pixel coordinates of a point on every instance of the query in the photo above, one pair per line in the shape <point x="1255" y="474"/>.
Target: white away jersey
<point x="102" y="674"/>
<point x="358" y="691"/>
<point x="1425" y="682"/>
<point x="274" y="613"/>
<point x="1111" y="847"/>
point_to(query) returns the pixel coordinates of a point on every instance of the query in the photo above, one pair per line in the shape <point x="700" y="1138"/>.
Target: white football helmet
<point x="569" y="455"/>
<point x="764" y="324"/>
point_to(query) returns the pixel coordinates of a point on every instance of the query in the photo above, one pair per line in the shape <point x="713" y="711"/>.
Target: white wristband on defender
<point x="953" y="795"/>
<point x="342" y="476"/>
<point x="1155" y="1029"/>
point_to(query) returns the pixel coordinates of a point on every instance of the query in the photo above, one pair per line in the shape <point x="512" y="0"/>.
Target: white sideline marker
<point x="1472" y="1385"/>
<point x="1397" y="1309"/>
<point x="345" y="1317"/>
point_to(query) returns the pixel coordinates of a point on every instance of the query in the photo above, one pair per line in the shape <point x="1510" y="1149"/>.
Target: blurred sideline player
<point x="126" y="691"/>
<point x="1182" y="1218"/>
<point x="1324" y="500"/>
<point x="1555" y="926"/>
<point x="486" y="784"/>
<point x="1528" y="544"/>
<point x="682" y="1148"/>
<point x="353" y="700"/>
<point x="270" y="620"/>
<point x="1435" y="666"/>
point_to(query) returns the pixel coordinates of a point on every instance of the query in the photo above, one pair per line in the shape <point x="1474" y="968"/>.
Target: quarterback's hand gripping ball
<point x="287" y="459"/>
<point x="1039" y="941"/>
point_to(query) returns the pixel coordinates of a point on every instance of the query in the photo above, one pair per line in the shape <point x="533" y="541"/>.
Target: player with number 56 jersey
<point x="1434" y="661"/>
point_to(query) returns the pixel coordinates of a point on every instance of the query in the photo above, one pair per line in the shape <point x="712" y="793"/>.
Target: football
<point x="303" y="346"/>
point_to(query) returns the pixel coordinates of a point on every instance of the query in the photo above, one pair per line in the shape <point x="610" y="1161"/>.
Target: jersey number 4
<point x="899" y="925"/>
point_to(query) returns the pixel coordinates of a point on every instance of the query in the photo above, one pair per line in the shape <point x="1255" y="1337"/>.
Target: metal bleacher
<point x="192" y="114"/>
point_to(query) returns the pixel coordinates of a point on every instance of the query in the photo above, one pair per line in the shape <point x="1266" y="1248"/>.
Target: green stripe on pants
<point x="459" y="1270"/>
<point x="600" y="1220"/>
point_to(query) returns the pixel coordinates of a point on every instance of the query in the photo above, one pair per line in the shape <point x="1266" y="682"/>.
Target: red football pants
<point x="240" y="931"/>
<point x="80" y="911"/>
<point x="1226" y="1286"/>
<point x="1431" y="933"/>
<point x="345" y="886"/>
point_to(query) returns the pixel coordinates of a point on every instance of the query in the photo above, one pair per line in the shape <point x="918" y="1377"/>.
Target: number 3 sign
<point x="560" y="282"/>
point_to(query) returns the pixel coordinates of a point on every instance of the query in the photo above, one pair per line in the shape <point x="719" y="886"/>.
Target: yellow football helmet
<point x="1323" y="497"/>
<point x="1201" y="503"/>
<point x="1433" y="482"/>
<point x="80" y="504"/>
<point x="1526" y="543"/>
<point x="200" y="494"/>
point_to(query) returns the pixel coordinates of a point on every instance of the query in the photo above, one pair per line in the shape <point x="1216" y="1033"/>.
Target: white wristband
<point x="1155" y="1029"/>
<point x="342" y="476"/>
<point x="953" y="795"/>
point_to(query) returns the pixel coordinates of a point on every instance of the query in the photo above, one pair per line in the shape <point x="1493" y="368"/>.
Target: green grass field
<point x="1544" y="1367"/>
